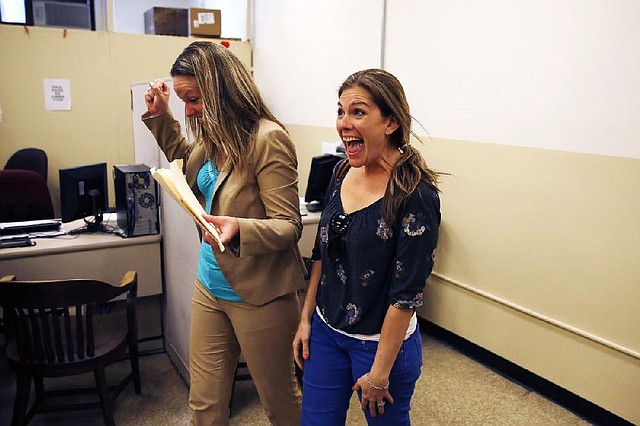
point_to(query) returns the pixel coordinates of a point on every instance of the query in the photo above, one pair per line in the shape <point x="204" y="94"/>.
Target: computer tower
<point x="136" y="200"/>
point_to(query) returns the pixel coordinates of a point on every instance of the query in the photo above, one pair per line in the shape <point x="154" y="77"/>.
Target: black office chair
<point x="33" y="159"/>
<point x="57" y="329"/>
<point x="24" y="195"/>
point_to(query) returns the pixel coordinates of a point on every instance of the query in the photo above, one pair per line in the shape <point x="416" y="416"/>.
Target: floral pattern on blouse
<point x="341" y="273"/>
<point x="399" y="269"/>
<point x="410" y="227"/>
<point x="353" y="314"/>
<point x="324" y="234"/>
<point x="383" y="230"/>
<point x="410" y="304"/>
<point x="366" y="277"/>
<point x="380" y="265"/>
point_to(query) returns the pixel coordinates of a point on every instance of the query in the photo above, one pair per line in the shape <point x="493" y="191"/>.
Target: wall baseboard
<point x="178" y="362"/>
<point x="576" y="404"/>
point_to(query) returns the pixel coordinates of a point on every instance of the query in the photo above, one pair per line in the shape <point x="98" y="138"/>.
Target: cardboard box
<point x="167" y="21"/>
<point x="205" y="22"/>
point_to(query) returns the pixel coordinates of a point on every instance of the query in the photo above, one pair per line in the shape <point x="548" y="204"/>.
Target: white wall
<point x="548" y="74"/>
<point x="544" y="74"/>
<point x="302" y="51"/>
<point x="128" y="16"/>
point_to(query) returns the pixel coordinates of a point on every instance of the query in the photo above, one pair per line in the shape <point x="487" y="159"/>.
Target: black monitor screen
<point x="319" y="178"/>
<point x="83" y="192"/>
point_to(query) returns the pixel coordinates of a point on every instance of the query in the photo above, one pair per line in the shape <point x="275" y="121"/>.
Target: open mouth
<point x="353" y="145"/>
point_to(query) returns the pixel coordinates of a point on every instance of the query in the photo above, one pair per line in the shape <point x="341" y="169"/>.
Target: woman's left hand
<point x="373" y="399"/>
<point x="227" y="227"/>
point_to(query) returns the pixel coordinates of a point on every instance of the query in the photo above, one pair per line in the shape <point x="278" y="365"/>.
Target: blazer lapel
<point x="224" y="174"/>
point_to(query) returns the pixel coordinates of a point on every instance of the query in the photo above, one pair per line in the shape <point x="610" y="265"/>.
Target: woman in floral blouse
<point x="374" y="251"/>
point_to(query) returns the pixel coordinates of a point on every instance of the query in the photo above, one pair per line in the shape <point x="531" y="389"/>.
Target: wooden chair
<point x="56" y="329"/>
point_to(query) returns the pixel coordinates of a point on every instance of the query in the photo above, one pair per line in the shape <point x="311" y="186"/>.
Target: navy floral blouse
<point x="368" y="264"/>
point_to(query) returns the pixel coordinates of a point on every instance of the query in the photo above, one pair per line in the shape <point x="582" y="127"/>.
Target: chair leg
<point x="38" y="383"/>
<point x="105" y="397"/>
<point x="134" y="357"/>
<point x="23" y="390"/>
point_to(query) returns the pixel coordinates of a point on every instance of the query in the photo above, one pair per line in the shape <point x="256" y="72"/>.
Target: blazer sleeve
<point x="276" y="175"/>
<point x="167" y="132"/>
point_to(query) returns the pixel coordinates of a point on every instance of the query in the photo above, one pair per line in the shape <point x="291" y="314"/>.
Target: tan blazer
<point x="265" y="263"/>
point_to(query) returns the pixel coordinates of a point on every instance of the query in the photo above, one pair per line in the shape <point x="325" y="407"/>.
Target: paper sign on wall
<point x="57" y="94"/>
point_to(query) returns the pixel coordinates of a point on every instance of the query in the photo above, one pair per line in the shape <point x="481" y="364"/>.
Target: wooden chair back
<point x="57" y="328"/>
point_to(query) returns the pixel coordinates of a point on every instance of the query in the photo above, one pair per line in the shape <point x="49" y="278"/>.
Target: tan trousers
<point x="220" y="330"/>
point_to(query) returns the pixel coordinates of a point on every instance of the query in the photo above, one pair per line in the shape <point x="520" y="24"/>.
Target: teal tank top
<point x="209" y="272"/>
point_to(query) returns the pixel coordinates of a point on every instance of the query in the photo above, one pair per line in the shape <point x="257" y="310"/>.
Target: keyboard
<point x="18" y="240"/>
<point x="30" y="226"/>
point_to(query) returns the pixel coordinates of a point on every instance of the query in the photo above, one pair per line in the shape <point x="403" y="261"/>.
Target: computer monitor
<point x="83" y="193"/>
<point x="319" y="179"/>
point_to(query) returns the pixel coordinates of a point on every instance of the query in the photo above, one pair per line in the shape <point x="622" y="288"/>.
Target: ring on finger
<point x="380" y="403"/>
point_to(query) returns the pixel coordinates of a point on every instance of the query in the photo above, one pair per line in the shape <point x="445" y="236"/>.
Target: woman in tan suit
<point x="242" y="167"/>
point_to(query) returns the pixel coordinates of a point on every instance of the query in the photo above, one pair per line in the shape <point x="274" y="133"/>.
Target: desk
<point x="310" y="226"/>
<point x="104" y="257"/>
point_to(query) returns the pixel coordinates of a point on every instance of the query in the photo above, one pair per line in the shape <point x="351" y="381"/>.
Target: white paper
<point x="206" y="18"/>
<point x="174" y="182"/>
<point x="57" y="94"/>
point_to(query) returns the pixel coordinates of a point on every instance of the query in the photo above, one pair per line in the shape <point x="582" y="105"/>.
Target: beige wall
<point x="100" y="67"/>
<point x="537" y="261"/>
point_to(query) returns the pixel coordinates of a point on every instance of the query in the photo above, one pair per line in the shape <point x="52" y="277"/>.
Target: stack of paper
<point x="174" y="182"/>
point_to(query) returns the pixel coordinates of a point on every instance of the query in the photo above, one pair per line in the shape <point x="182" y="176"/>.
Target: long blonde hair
<point x="232" y="104"/>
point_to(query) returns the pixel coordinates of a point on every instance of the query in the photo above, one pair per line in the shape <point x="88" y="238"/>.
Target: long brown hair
<point x="410" y="168"/>
<point x="232" y="104"/>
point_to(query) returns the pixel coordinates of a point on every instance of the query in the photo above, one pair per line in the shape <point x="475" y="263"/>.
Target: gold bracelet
<point x="366" y="377"/>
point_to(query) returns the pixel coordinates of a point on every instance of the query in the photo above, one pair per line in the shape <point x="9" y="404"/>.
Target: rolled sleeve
<point x="415" y="250"/>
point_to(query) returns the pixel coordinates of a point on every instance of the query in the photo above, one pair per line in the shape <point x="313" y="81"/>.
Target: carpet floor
<point x="453" y="390"/>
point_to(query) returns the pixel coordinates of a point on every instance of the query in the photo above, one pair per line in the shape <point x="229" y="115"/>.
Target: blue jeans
<point x="335" y="363"/>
